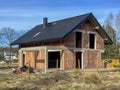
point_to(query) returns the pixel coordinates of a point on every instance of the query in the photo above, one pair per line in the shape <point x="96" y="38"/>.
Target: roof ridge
<point x="69" y="18"/>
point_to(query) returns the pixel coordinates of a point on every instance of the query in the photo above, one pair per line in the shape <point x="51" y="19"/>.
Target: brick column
<point x="46" y="59"/>
<point x="21" y="58"/>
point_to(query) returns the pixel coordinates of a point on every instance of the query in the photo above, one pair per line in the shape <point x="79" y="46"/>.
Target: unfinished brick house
<point x="68" y="40"/>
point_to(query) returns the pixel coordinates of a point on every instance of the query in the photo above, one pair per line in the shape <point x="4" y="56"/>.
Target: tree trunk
<point x="10" y="48"/>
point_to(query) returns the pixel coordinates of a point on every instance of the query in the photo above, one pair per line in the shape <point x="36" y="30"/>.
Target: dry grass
<point x="62" y="81"/>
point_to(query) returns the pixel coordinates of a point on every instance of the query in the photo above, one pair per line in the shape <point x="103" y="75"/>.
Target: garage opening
<point x="78" y="57"/>
<point x="52" y="58"/>
<point x="78" y="39"/>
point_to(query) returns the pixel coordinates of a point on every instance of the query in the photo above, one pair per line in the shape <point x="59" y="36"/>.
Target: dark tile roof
<point x="54" y="30"/>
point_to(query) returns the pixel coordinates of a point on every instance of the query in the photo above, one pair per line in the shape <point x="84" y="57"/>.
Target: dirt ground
<point x="72" y="80"/>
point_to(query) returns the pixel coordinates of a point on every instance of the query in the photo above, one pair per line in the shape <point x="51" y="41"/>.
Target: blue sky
<point x="25" y="14"/>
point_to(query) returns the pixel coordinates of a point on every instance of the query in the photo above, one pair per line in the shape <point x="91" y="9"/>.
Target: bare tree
<point x="109" y="24"/>
<point x="110" y="19"/>
<point x="117" y="24"/>
<point x="7" y="37"/>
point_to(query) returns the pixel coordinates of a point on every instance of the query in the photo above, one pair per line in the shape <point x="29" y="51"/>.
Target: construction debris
<point x="22" y="69"/>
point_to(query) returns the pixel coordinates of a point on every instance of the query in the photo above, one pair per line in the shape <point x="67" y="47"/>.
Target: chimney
<point x="45" y="21"/>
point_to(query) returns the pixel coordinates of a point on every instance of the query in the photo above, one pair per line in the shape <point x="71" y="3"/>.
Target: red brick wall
<point x="86" y="42"/>
<point x="40" y="59"/>
<point x="69" y="41"/>
<point x="29" y="57"/>
<point x="87" y="26"/>
<point x="68" y="59"/>
<point x="99" y="42"/>
<point x="36" y="59"/>
<point x="90" y="58"/>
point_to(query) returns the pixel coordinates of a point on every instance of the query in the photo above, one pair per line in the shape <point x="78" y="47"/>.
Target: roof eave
<point x="56" y="39"/>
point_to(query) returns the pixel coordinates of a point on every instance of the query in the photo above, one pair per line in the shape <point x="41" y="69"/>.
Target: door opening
<point x="78" y="57"/>
<point x="52" y="58"/>
<point x="23" y="59"/>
